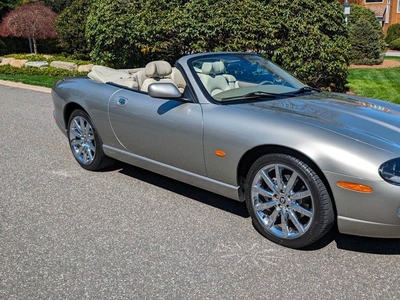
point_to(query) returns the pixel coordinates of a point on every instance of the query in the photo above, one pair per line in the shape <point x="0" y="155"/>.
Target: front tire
<point x="288" y="202"/>
<point x="85" y="142"/>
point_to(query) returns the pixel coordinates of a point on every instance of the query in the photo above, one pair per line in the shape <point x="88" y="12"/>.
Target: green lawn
<point x="376" y="83"/>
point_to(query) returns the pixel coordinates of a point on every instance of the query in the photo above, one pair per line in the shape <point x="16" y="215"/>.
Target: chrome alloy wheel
<point x="282" y="201"/>
<point x="82" y="140"/>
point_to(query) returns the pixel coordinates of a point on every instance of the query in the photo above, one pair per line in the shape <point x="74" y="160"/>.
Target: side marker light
<point x="356" y="187"/>
<point x="220" y="153"/>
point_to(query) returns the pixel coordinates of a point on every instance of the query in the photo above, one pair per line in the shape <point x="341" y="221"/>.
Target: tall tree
<point x="33" y="21"/>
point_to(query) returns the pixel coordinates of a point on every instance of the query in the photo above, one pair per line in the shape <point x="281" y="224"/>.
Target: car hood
<point x="371" y="121"/>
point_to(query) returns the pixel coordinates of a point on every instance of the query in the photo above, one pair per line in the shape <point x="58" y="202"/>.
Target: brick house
<point x="387" y="11"/>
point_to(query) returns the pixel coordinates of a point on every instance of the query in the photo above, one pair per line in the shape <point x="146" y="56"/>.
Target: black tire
<point x="85" y="142"/>
<point x="292" y="208"/>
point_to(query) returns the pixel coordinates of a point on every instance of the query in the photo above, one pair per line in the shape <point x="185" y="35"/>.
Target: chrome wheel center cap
<point x="282" y="200"/>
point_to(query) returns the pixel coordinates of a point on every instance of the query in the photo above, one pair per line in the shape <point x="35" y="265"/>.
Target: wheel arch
<point x="252" y="155"/>
<point x="69" y="109"/>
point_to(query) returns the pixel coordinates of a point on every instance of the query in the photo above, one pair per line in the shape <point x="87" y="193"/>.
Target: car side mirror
<point x="164" y="90"/>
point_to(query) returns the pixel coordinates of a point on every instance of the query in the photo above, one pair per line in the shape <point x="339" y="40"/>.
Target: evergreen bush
<point x="366" y="37"/>
<point x="393" y="33"/>
<point x="395" y="45"/>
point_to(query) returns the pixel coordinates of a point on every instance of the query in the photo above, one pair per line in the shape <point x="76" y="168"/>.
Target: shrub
<point x="70" y="27"/>
<point x="393" y="33"/>
<point x="40" y="57"/>
<point x="110" y="32"/>
<point x="313" y="41"/>
<point x="395" y="45"/>
<point x="366" y="37"/>
<point x="10" y="70"/>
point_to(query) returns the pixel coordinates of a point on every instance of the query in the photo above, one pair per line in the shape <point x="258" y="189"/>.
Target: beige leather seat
<point x="178" y="79"/>
<point x="156" y="71"/>
<point x="212" y="78"/>
<point x="140" y="77"/>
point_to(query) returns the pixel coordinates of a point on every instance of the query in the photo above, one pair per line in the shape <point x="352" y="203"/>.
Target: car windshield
<point x="229" y="77"/>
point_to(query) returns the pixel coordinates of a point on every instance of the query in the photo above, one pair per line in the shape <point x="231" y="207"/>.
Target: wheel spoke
<point x="296" y="222"/>
<point x="75" y="142"/>
<point x="266" y="205"/>
<point x="79" y="151"/>
<point x="92" y="148"/>
<point x="89" y="154"/>
<point x="300" y="195"/>
<point x="86" y="155"/>
<point x="77" y="123"/>
<point x="272" y="218"/>
<point x="76" y="132"/>
<point x="290" y="184"/>
<point x="269" y="182"/>
<point x="278" y="176"/>
<point x="86" y="128"/>
<point x="259" y="190"/>
<point x="296" y="207"/>
<point x="284" y="223"/>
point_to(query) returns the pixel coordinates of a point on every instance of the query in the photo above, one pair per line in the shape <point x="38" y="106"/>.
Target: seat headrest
<point x="217" y="67"/>
<point x="158" y="68"/>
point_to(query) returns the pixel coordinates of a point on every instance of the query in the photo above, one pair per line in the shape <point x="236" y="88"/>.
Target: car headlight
<point x="390" y="171"/>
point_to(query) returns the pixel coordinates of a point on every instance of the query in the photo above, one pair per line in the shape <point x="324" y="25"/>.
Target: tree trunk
<point x="34" y="45"/>
<point x="30" y="45"/>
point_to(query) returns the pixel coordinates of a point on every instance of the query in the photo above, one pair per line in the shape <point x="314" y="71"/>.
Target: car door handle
<point x="122" y="101"/>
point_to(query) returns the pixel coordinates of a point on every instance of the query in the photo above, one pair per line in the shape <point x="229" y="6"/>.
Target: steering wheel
<point x="266" y="82"/>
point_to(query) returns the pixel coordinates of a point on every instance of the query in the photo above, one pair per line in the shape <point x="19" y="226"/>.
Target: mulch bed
<point x="386" y="64"/>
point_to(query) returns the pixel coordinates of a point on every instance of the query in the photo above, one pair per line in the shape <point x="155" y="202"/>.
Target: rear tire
<point x="288" y="202"/>
<point x="85" y="142"/>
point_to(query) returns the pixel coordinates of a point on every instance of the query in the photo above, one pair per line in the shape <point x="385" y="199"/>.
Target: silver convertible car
<point x="238" y="125"/>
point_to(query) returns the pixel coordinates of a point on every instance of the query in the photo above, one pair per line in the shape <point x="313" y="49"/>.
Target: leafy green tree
<point x="70" y="28"/>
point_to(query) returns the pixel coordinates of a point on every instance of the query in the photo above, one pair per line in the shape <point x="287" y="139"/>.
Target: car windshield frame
<point x="248" y="75"/>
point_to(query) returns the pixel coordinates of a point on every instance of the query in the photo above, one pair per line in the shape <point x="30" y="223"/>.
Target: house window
<point x="398" y="7"/>
<point x="373" y="1"/>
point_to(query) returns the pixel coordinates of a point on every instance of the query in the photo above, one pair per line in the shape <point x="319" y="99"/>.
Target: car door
<point x="164" y="130"/>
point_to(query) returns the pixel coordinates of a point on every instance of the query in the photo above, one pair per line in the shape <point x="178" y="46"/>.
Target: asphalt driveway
<point x="66" y="233"/>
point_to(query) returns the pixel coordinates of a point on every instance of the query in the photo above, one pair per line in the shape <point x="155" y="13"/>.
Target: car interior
<point x="212" y="75"/>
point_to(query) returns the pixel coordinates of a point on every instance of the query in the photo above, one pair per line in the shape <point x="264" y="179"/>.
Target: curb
<point x="25" y="86"/>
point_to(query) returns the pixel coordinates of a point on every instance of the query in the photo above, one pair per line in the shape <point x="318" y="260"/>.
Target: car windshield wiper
<point x="306" y="89"/>
<point x="252" y="95"/>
